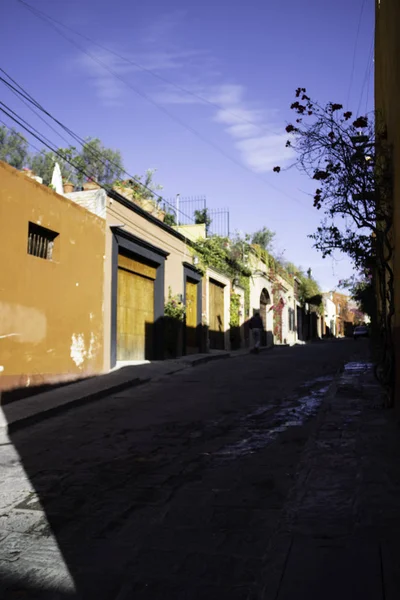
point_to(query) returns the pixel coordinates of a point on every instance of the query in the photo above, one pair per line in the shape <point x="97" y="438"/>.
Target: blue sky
<point x="245" y="57"/>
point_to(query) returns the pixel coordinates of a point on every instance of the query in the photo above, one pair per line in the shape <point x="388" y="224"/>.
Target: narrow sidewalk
<point x="22" y="413"/>
<point x="338" y="537"/>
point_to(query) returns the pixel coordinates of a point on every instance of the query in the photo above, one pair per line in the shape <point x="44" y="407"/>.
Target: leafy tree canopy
<point x="264" y="238"/>
<point x="13" y="147"/>
<point x="339" y="152"/>
<point x="93" y="161"/>
<point x="363" y="292"/>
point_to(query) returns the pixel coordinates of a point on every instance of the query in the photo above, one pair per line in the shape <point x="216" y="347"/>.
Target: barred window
<point x="41" y="241"/>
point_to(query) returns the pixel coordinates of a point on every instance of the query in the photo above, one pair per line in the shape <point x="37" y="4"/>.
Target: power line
<point x="355" y="50"/>
<point x="173" y="117"/>
<point x="21" y="137"/>
<point x="37" y="136"/>
<point x="44" y="16"/>
<point x="77" y="138"/>
<point x="367" y="72"/>
<point x="28" y="97"/>
<point x="39" y="116"/>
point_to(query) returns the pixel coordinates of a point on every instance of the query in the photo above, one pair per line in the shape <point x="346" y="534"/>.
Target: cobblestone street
<point x="205" y="484"/>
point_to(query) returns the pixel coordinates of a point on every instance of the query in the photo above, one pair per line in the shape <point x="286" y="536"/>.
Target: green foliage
<point x="174" y="308"/>
<point x="244" y="282"/>
<point x="13" y="147"/>
<point x="42" y="164"/>
<point x="234" y="310"/>
<point x="264" y="238"/>
<point x="273" y="264"/>
<point x="99" y="163"/>
<point x="214" y="252"/>
<point x="222" y="254"/>
<point x="203" y="216"/>
<point x="102" y="164"/>
<point x="309" y="290"/>
<point x="232" y="258"/>
<point x="363" y="292"/>
<point x="142" y="190"/>
<point x="170" y="219"/>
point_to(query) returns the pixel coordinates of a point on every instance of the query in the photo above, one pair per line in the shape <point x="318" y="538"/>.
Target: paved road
<point x="171" y="490"/>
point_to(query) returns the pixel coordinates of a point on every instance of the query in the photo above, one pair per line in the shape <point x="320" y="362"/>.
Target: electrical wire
<point x="21" y="137"/>
<point x="35" y="112"/>
<point x="49" y="146"/>
<point x="354" y="53"/>
<point x="176" y="119"/>
<point x="82" y="142"/>
<point x="45" y="17"/>
<point x="367" y="75"/>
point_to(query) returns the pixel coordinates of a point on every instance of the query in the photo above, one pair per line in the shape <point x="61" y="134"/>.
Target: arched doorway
<point x="264" y="301"/>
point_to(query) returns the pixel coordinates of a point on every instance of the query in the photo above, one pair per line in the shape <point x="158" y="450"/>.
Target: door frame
<point x="190" y="272"/>
<point x="222" y="286"/>
<point x="142" y="250"/>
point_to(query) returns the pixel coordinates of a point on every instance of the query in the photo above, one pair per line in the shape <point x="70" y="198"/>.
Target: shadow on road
<point x="92" y="501"/>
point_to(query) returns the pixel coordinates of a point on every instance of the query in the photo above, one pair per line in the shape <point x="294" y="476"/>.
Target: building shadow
<point x="91" y="503"/>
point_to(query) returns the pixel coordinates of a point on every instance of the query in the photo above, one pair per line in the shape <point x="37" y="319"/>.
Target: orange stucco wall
<point x="387" y="103"/>
<point x="51" y="311"/>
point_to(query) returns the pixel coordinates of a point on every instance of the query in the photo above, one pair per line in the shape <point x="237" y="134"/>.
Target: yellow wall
<point x="139" y="226"/>
<point x="51" y="311"/>
<point x="192" y="232"/>
<point x="387" y="103"/>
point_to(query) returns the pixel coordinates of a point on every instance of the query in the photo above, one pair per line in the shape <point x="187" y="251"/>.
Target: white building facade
<point x="329" y="314"/>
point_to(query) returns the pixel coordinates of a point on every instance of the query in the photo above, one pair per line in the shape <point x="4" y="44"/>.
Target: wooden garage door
<point x="191" y="316"/>
<point x="135" y="309"/>
<point x="216" y="312"/>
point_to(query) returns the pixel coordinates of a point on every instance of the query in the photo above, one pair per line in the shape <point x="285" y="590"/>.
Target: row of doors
<point x="135" y="311"/>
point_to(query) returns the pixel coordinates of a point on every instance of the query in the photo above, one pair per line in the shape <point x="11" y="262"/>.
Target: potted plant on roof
<point x="90" y="184"/>
<point x="69" y="187"/>
<point x="124" y="187"/>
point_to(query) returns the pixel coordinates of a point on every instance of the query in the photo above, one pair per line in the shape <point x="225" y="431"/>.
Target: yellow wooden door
<point x="216" y="313"/>
<point x="191" y="316"/>
<point x="135" y="309"/>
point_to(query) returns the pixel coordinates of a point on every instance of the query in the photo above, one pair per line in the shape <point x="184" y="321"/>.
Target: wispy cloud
<point x="252" y="128"/>
<point x="103" y="68"/>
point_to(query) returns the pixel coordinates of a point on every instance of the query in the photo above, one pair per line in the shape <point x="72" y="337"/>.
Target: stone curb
<point x="85" y="397"/>
<point x="52" y="411"/>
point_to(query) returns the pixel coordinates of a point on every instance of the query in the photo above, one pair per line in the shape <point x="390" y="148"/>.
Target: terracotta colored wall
<point x="51" y="311"/>
<point x="342" y="315"/>
<point x="387" y="102"/>
<point x="149" y="232"/>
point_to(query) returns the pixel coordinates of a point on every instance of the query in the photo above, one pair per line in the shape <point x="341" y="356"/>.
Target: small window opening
<point x="41" y="241"/>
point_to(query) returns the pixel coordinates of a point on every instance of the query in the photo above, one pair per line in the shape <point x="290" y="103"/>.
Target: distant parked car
<point x="360" y="331"/>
